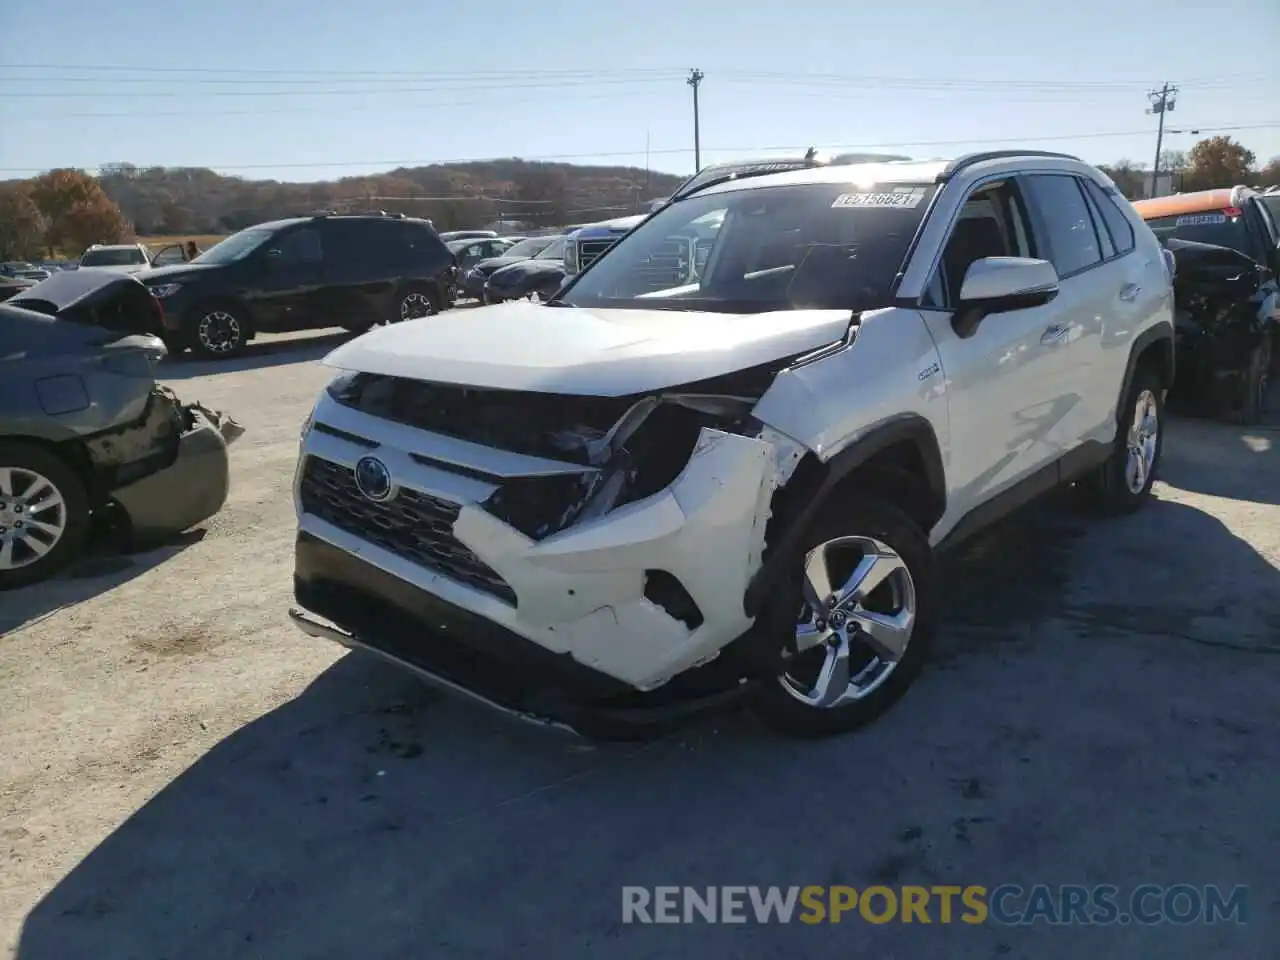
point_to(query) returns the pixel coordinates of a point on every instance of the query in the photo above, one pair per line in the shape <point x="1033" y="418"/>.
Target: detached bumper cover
<point x="189" y="491"/>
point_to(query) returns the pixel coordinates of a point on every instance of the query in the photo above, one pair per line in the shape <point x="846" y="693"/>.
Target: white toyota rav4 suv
<point x="719" y="463"/>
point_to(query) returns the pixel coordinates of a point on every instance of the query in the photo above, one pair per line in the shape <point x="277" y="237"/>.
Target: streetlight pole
<point x="695" y="80"/>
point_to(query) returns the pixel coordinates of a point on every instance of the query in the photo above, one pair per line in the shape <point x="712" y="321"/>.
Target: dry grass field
<point x="203" y="240"/>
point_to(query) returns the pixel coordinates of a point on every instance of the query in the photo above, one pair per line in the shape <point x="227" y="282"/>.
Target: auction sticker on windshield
<point x="897" y="197"/>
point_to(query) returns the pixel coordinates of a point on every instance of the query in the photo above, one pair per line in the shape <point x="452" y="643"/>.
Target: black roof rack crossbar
<point x="968" y="160"/>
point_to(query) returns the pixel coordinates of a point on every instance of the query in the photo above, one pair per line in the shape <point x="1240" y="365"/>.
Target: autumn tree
<point x="79" y="213"/>
<point x="22" y="225"/>
<point x="1129" y="177"/>
<point x="1217" y="162"/>
<point x="1268" y="176"/>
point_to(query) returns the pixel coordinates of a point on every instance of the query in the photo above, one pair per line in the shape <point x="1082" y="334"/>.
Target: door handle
<point x="1129" y="292"/>
<point x="1055" y="335"/>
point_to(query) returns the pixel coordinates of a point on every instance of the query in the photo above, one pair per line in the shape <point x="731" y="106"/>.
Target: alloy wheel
<point x="415" y="306"/>
<point x="219" y="332"/>
<point x="33" y="517"/>
<point x="1144" y="434"/>
<point x="850" y="638"/>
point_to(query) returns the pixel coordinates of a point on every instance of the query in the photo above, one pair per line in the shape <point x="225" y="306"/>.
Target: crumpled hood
<point x="586" y="352"/>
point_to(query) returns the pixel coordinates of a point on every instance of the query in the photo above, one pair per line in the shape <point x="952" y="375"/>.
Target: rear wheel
<point x="416" y="303"/>
<point x="1123" y="483"/>
<point x="44" y="514"/>
<point x="856" y="620"/>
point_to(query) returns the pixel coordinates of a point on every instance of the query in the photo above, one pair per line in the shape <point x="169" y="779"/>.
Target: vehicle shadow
<point x="262" y="353"/>
<point x="1205" y="456"/>
<point x="369" y="817"/>
<point x="102" y="568"/>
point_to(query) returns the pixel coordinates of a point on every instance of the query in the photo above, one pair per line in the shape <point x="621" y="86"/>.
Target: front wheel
<point x="44" y="514"/>
<point x="856" y="620"/>
<point x="219" y="331"/>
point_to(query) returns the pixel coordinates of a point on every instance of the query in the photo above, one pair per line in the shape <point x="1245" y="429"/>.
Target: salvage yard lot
<point x="184" y="775"/>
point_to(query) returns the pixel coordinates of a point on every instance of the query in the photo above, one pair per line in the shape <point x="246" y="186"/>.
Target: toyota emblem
<point x="373" y="479"/>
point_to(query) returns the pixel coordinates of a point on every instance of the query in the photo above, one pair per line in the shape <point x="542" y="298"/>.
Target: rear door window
<point x="355" y="243"/>
<point x="1064" y="215"/>
<point x="1118" y="226"/>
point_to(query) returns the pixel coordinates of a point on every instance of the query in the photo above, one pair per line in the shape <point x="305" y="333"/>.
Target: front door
<point x="1005" y="391"/>
<point x="289" y="278"/>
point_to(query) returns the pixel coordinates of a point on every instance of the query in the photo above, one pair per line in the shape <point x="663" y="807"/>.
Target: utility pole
<point x="695" y="81"/>
<point x="1162" y="102"/>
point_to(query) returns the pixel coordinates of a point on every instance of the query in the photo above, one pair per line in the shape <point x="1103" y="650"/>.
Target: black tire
<point x="856" y="515"/>
<point x="34" y="459"/>
<point x="1108" y="490"/>
<point x="1257" y="383"/>
<point x="218" y="330"/>
<point x="412" y="299"/>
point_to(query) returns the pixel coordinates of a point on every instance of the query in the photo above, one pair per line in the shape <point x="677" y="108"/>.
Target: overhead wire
<point x="387" y="164"/>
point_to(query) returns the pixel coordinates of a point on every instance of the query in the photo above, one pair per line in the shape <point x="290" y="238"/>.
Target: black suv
<point x="303" y="274"/>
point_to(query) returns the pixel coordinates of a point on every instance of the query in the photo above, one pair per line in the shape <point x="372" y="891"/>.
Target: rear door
<point x="1097" y="305"/>
<point x="360" y="270"/>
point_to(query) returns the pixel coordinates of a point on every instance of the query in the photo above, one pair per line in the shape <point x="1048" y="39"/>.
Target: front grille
<point x="589" y="250"/>
<point x="412" y="525"/>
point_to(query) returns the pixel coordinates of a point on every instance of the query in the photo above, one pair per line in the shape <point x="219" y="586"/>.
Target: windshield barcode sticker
<point x="1200" y="220"/>
<point x="898" y="197"/>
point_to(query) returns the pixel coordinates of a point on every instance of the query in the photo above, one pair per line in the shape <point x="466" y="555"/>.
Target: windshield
<point x="527" y="248"/>
<point x="554" y="250"/>
<point x="1214" y="226"/>
<point x="808" y="246"/>
<point x="119" y="257"/>
<point x="235" y="247"/>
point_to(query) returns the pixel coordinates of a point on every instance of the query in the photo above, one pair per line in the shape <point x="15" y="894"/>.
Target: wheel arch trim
<point x="910" y="428"/>
<point x="1160" y="333"/>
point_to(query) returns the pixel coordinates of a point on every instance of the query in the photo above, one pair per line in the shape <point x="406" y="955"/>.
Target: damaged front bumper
<point x="623" y="613"/>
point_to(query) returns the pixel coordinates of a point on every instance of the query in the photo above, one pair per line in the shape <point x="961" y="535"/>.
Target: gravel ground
<point x="183" y="775"/>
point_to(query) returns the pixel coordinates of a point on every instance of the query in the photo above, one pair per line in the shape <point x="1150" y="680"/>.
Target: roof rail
<point x="969" y="159"/>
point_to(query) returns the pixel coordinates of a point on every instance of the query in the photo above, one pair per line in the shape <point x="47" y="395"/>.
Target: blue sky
<point x="307" y="91"/>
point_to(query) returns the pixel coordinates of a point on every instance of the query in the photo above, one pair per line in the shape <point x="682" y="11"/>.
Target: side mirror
<point x="1000" y="285"/>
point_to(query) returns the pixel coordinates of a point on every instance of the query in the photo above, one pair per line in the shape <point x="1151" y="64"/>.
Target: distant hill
<point x="194" y="200"/>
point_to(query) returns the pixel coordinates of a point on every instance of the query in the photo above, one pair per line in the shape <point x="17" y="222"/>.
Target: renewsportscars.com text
<point x="1007" y="904"/>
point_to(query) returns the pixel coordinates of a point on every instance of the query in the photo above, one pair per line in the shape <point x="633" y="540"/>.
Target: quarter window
<point x="1118" y="225"/>
<point x="1073" y="244"/>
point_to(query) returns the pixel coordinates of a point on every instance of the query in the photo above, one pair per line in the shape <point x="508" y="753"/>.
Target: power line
<point x="746" y="150"/>
<point x="186" y="94"/>
<point x="330" y="109"/>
